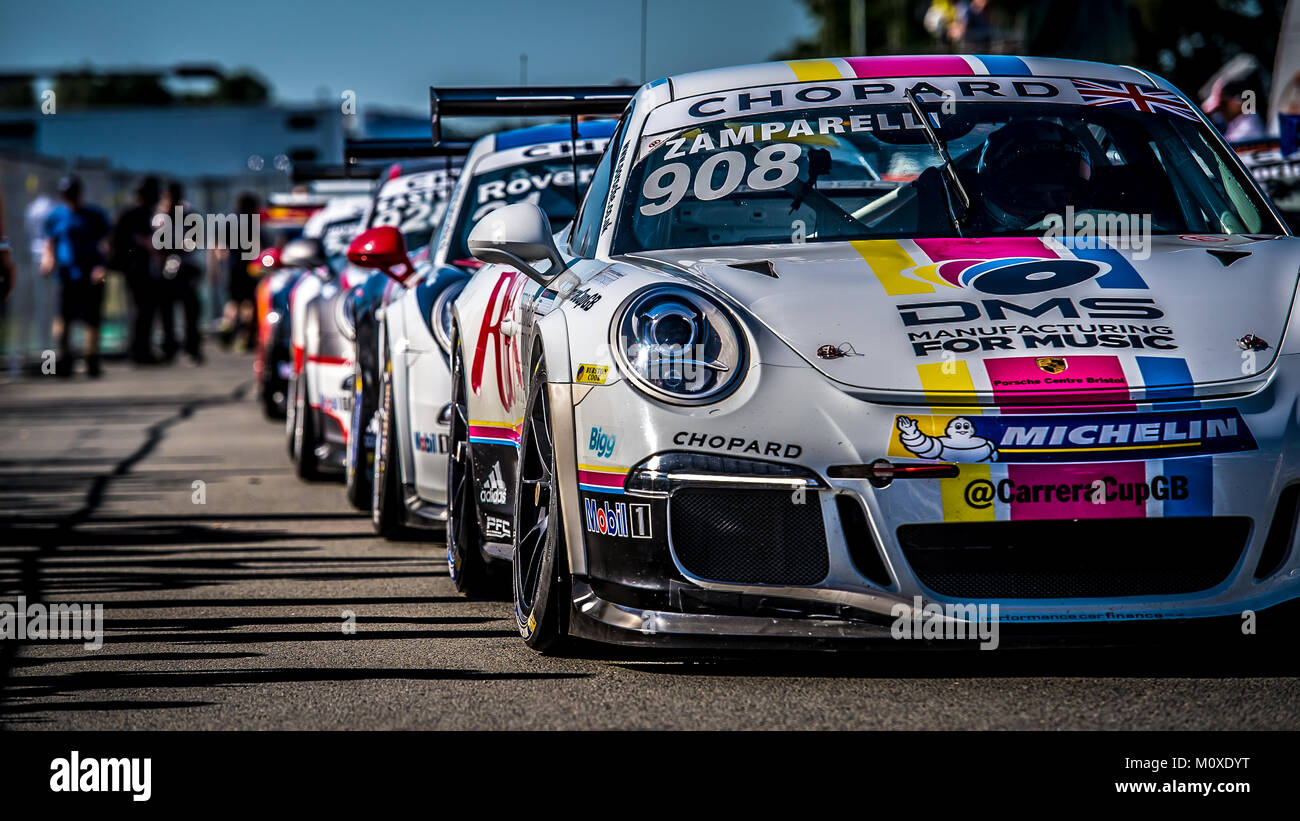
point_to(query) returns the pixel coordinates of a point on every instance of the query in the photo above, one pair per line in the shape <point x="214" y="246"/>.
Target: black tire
<point x="358" y="462"/>
<point x="291" y="418"/>
<point x="471" y="573"/>
<point x="387" y="511"/>
<point x="540" y="568"/>
<point x="304" y="434"/>
<point x="269" y="408"/>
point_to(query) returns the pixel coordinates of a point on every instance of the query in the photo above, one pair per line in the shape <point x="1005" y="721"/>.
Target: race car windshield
<point x="414" y="205"/>
<point x="867" y="171"/>
<point x="335" y="238"/>
<point x="546" y="183"/>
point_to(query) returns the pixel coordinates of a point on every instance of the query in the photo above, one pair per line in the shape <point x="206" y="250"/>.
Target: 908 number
<point x="774" y="167"/>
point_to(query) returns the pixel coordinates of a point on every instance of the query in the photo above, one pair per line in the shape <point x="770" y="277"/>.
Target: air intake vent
<point x="748" y="536"/>
<point x="1281" y="533"/>
<point x="863" y="549"/>
<point x="1086" y="558"/>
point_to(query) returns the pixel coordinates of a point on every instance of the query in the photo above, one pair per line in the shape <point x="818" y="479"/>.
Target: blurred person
<point x="34" y="216"/>
<point x="38" y="210"/>
<point x="939" y="19"/>
<point x="970" y="27"/>
<point x="75" y="233"/>
<point x="1227" y="109"/>
<point x="137" y="259"/>
<point x="179" y="280"/>
<point x="1288" y="116"/>
<point x="8" y="271"/>
<point x="239" y="320"/>
<point x="8" y="278"/>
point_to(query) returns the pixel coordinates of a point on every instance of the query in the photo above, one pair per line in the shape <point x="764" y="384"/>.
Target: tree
<point x="893" y="27"/>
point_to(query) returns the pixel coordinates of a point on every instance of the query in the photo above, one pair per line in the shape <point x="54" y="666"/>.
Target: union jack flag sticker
<point x="1132" y="95"/>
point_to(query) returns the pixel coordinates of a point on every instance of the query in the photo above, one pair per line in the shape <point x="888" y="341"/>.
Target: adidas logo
<point x="494" y="488"/>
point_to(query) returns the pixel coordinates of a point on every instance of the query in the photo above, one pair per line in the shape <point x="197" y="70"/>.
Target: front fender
<point x="393" y="347"/>
<point x="552" y="338"/>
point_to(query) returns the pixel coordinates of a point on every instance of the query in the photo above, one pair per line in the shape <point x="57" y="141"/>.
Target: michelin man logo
<point x="959" y="443"/>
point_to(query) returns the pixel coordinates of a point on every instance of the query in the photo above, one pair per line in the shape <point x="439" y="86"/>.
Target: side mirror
<point x="517" y="235"/>
<point x="382" y="248"/>
<point x="304" y="252"/>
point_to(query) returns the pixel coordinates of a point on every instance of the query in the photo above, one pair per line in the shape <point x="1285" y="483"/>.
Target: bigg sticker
<point x="1100" y="437"/>
<point x="592" y="374"/>
<point x="601" y="442"/>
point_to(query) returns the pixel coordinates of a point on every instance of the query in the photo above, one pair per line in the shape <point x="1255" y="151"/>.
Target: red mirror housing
<point x="382" y="248"/>
<point x="269" y="258"/>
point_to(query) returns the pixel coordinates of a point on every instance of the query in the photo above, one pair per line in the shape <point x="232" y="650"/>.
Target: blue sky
<point x="389" y="52"/>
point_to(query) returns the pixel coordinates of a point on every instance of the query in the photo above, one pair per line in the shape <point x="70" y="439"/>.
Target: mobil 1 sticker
<point x="623" y="519"/>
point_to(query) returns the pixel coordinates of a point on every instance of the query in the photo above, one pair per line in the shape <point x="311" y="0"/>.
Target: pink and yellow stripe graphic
<point x="949" y="389"/>
<point x="855" y="68"/>
<point x="602" y="478"/>
<point x="495" y="433"/>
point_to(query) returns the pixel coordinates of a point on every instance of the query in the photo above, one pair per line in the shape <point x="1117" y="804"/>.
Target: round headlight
<point x="442" y="313"/>
<point x="678" y="344"/>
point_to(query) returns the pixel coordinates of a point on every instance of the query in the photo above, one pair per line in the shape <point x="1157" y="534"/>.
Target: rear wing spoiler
<point x="535" y="101"/>
<point x="356" y="152"/>
<point x="314" y="171"/>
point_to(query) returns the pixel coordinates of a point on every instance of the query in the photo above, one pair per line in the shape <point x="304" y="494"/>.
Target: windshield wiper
<point x="949" y="169"/>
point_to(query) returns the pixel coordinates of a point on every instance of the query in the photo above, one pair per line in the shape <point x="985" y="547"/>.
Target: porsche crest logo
<point x="1052" y="364"/>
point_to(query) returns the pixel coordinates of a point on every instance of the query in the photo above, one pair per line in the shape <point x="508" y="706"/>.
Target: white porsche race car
<point x="524" y="165"/>
<point x="833" y="342"/>
<point x="317" y="421"/>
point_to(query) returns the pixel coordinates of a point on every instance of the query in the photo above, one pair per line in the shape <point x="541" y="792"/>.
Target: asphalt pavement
<point x="228" y="588"/>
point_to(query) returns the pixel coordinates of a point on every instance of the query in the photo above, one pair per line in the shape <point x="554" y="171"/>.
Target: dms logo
<point x="1070" y="438"/>
<point x="1009" y="277"/>
<point x="601" y="444"/>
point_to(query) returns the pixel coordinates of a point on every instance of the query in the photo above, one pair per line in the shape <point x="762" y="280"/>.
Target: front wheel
<point x="470" y="572"/>
<point x="387" y="509"/>
<point x="304" y="433"/>
<point x="291" y="418"/>
<point x="270" y="408"/>
<point x="541" y="566"/>
<point x="359" y="455"/>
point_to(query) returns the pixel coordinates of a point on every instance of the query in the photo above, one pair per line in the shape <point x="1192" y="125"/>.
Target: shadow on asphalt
<point x="1218" y="659"/>
<point x="48" y="689"/>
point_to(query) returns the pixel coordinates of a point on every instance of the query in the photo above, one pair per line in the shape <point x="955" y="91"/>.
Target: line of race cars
<point x="776" y="353"/>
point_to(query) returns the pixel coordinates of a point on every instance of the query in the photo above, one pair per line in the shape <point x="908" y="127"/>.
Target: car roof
<point x="343" y="208"/>
<point x="914" y="65"/>
<point x="552" y="133"/>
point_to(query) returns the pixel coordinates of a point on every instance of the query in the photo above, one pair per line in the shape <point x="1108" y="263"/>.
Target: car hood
<point x="1015" y="319"/>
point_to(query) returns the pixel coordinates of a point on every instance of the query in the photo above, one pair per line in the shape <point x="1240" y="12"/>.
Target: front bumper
<point x="1211" y="534"/>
